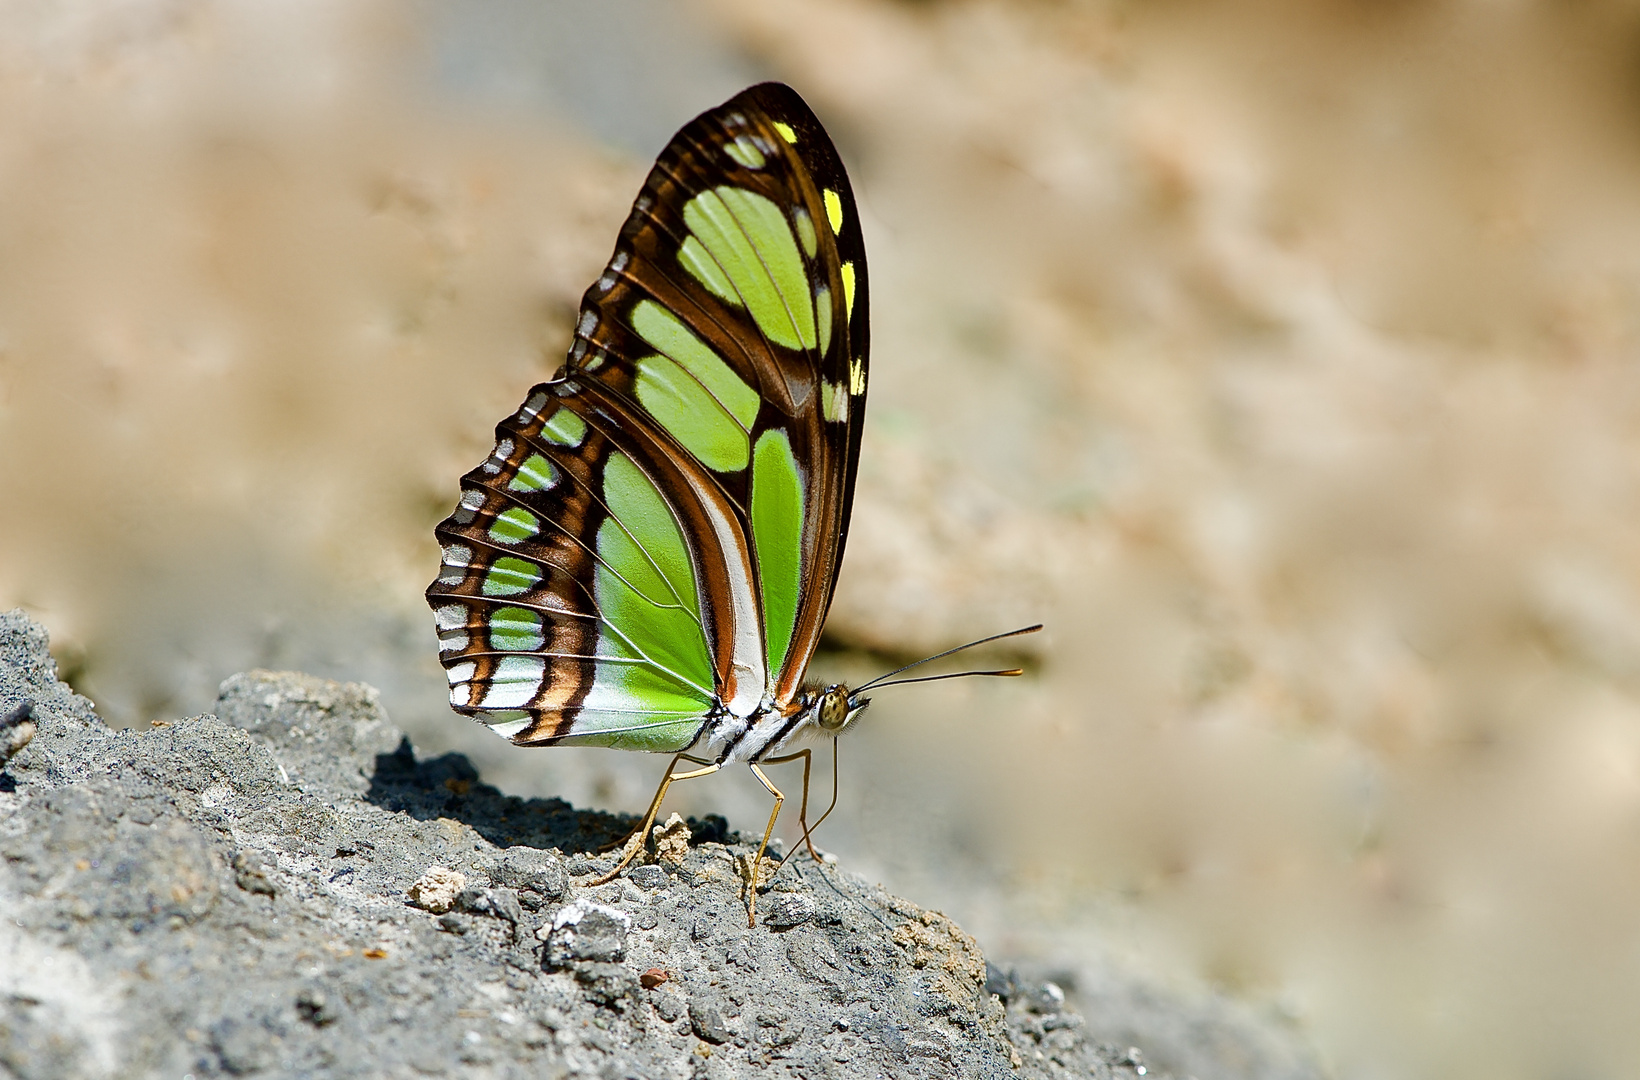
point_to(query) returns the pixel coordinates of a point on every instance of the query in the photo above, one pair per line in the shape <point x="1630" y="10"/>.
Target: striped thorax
<point x="774" y="732"/>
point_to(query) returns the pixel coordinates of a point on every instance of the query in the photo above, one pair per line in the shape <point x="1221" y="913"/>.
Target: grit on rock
<point x="285" y="888"/>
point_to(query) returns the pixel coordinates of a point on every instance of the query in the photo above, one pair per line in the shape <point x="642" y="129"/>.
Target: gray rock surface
<point x="230" y="895"/>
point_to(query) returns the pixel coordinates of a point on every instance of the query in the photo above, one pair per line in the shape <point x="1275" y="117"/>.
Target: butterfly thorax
<point x="775" y="730"/>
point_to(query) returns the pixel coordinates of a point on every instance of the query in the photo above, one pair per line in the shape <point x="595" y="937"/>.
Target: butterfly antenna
<point x="882" y="680"/>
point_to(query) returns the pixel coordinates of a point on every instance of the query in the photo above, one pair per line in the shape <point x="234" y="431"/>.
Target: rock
<point x="1004" y="984"/>
<point x="538" y="877"/>
<point x="648" y="877"/>
<point x="437" y="889"/>
<point x="587" y="931"/>
<point x="141" y="937"/>
<point x="1047" y="999"/>
<point x="706" y="1018"/>
<point x="606" y="983"/>
<point x="316" y="1007"/>
<point x="251" y="874"/>
<point x="496" y="903"/>
<point x="786" y="910"/>
<point x="668" y="1006"/>
<point x="672" y="841"/>
<point x="17" y="731"/>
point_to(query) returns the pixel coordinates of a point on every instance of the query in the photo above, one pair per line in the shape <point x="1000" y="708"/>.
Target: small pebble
<point x="672" y="840"/>
<point x="316" y="1008"/>
<point x="649" y="877"/>
<point x="437" y="889"/>
<point x="586" y="931"/>
<point x="788" y="909"/>
<point x="250" y="874"/>
<point x="707" y="1020"/>
<point x="17" y="728"/>
<point x="540" y="874"/>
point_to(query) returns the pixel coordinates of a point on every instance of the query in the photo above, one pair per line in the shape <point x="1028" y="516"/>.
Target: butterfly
<point x="646" y="558"/>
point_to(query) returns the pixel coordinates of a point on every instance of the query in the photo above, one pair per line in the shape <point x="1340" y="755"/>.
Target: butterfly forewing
<point x="655" y="538"/>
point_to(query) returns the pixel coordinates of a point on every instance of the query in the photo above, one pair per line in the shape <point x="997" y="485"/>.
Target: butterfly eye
<point x="834" y="710"/>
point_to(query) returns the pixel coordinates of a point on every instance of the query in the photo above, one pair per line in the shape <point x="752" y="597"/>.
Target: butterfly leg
<point x="757" y="863"/>
<point x="803" y="806"/>
<point x="635" y="842"/>
<point x="803" y="810"/>
<point x="833" y="805"/>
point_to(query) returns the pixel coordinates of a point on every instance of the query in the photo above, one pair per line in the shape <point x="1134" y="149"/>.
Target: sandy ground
<point x="1280" y="357"/>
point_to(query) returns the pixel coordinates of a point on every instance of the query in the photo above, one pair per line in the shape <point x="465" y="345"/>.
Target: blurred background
<point x="1283" y="357"/>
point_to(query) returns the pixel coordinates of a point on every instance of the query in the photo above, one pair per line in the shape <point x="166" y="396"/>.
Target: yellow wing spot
<point x="848" y="287"/>
<point x="834" y="210"/>
<point x="786" y="132"/>
<point x="856" y="377"/>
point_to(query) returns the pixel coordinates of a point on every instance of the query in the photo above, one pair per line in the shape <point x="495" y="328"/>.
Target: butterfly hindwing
<point x="541" y="547"/>
<point x="655" y="538"/>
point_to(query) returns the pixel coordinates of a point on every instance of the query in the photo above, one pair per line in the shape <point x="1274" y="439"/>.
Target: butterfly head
<point x="837" y="707"/>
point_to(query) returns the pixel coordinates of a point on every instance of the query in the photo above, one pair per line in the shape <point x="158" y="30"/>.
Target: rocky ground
<point x="285" y="888"/>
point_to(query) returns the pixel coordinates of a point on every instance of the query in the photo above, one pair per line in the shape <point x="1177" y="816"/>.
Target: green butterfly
<point x="645" y="560"/>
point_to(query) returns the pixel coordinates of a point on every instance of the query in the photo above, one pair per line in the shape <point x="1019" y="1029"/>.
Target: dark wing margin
<point x="834" y="448"/>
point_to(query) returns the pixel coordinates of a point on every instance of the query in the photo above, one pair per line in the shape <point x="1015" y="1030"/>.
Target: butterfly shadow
<point x="449" y="786"/>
